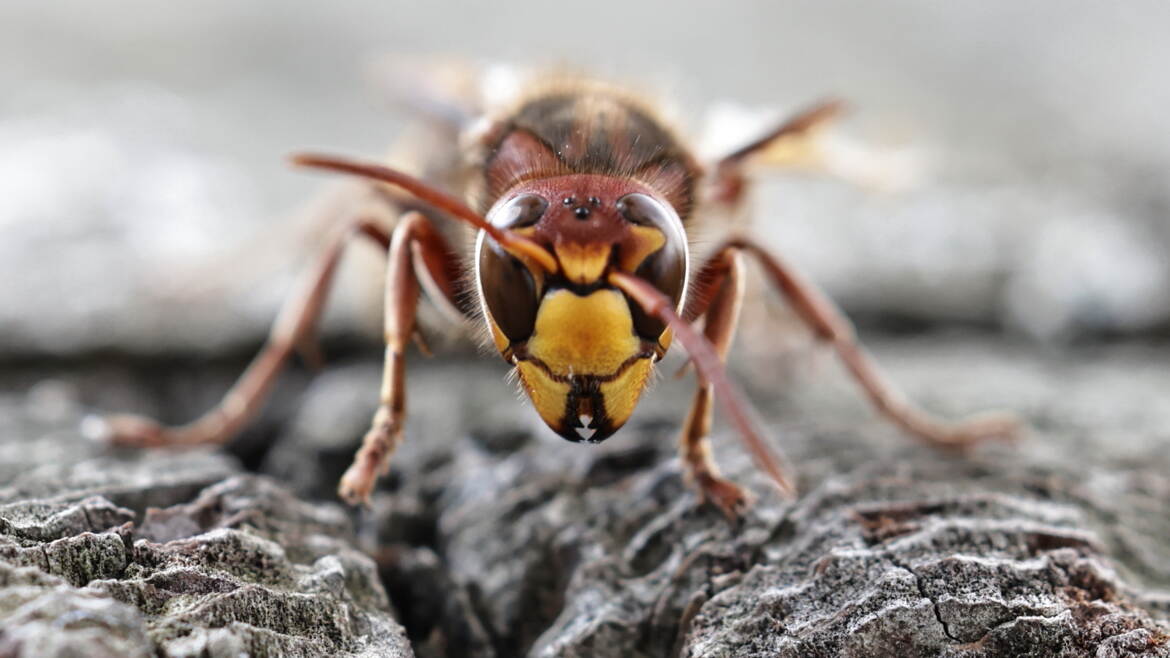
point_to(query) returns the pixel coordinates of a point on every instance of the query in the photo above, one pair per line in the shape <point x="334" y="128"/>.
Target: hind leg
<point x="830" y="325"/>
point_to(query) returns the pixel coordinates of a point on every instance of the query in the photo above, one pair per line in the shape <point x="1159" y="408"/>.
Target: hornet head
<point x="584" y="352"/>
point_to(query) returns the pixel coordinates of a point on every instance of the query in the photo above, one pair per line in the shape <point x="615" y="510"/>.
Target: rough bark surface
<point x="493" y="539"/>
<point x="179" y="555"/>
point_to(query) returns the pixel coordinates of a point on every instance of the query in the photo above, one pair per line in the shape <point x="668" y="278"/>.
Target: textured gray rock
<point x="503" y="543"/>
<point x="490" y="537"/>
<point x="175" y="555"/>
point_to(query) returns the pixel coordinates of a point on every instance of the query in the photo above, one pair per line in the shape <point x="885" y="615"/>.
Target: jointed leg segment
<point x="721" y="290"/>
<point x="291" y="331"/>
<point x="718" y="300"/>
<point x="415" y="241"/>
<point x="831" y="325"/>
<point x="414" y="247"/>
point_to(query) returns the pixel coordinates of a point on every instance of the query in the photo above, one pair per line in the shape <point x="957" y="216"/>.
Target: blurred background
<point x="152" y="225"/>
<point x="147" y="202"/>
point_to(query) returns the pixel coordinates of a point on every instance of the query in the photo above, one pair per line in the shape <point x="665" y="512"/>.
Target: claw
<point x="730" y="498"/>
<point x="356" y="486"/>
<point x="124" y="430"/>
<point x="995" y="425"/>
<point x="371" y="462"/>
<point x="991" y="426"/>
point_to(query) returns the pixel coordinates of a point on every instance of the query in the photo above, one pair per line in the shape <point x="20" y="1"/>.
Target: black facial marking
<point x="600" y="427"/>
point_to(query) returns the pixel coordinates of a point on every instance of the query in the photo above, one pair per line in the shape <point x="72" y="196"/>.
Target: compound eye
<point x="509" y="289"/>
<point x="666" y="267"/>
<point x="521" y="211"/>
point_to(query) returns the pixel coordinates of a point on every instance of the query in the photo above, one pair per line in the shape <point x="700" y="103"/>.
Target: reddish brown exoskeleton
<point x="583" y="276"/>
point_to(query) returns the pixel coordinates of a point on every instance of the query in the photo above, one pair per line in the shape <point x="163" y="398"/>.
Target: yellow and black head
<point x="584" y="352"/>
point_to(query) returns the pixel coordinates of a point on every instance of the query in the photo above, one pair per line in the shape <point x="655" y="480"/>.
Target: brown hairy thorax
<point x="588" y="129"/>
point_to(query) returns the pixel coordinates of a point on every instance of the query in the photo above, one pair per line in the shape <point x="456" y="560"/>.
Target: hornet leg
<point x="415" y="245"/>
<point x="721" y="294"/>
<point x="832" y="326"/>
<point x="292" y="331"/>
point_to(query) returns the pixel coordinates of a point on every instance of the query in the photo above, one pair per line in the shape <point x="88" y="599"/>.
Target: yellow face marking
<point x="548" y="395"/>
<point x="647" y="240"/>
<point x="498" y="338"/>
<point x="591" y="335"/>
<point x="583" y="343"/>
<point x="621" y="395"/>
<point x="534" y="267"/>
<point x="583" y="263"/>
<point x="665" y="339"/>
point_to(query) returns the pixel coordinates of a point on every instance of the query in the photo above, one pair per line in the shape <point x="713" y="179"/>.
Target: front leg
<point x="720" y="294"/>
<point x="415" y="245"/>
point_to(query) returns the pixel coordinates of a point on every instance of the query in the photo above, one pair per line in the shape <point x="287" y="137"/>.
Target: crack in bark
<point x="88" y="521"/>
<point x="45" y="555"/>
<point x="933" y="603"/>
